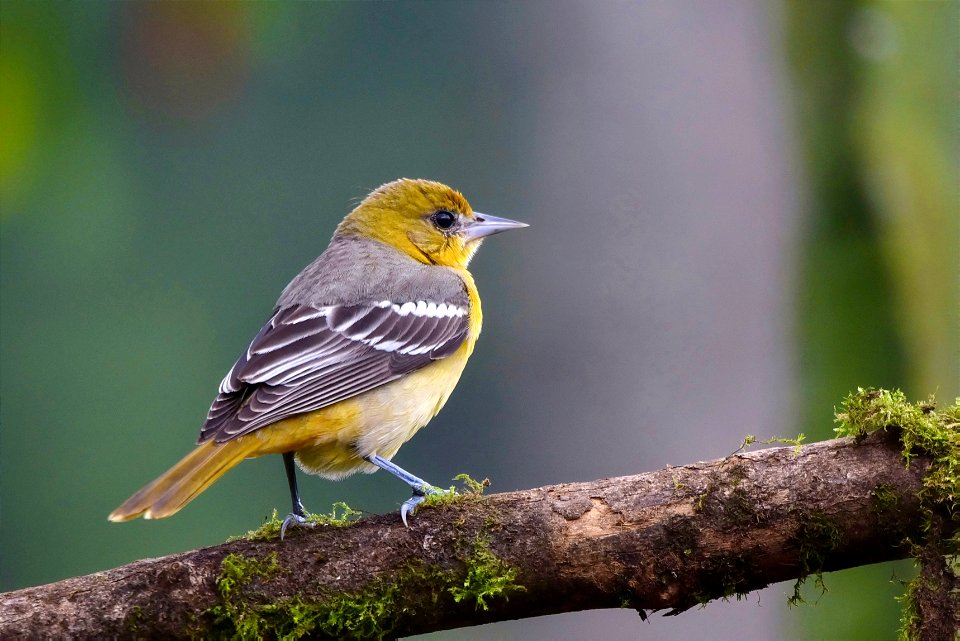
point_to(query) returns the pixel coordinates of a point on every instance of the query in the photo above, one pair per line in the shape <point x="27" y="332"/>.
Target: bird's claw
<point x="410" y="506"/>
<point x="420" y="494"/>
<point x="294" y="519"/>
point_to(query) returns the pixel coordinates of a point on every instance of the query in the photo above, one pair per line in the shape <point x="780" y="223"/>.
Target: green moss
<point x="750" y="439"/>
<point x="868" y="410"/>
<point x="487" y="577"/>
<point x="884" y="499"/>
<point x="817" y="537"/>
<point x="701" y="501"/>
<point x="472" y="490"/>
<point x="371" y="613"/>
<point x="679" y="486"/>
<point x="237" y="572"/>
<point x="362" y="615"/>
<point x="340" y="515"/>
<point x="909" y="614"/>
<point x="922" y="430"/>
<point x="266" y="532"/>
<point x="491" y="522"/>
<point x="133" y="619"/>
<point x="367" y="615"/>
<point x="747" y="441"/>
<point x="471" y="485"/>
<point x="797" y="442"/>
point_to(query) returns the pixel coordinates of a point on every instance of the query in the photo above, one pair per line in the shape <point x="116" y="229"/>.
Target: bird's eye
<point x="444" y="219"/>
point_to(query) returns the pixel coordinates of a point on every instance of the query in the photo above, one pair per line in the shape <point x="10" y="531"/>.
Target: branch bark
<point x="669" y="539"/>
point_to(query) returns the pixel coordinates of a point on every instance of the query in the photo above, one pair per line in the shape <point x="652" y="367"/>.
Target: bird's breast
<point x="395" y="412"/>
<point x="334" y="441"/>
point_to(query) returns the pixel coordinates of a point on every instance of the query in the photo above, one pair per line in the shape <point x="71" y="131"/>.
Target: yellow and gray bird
<point x="363" y="348"/>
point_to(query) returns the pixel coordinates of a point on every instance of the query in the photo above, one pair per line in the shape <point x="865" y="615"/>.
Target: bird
<point x="362" y="349"/>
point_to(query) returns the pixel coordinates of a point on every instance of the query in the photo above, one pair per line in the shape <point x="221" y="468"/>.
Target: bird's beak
<point x="484" y="225"/>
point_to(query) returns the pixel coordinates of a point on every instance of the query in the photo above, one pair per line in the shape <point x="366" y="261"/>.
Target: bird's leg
<point x="420" y="487"/>
<point x="297" y="516"/>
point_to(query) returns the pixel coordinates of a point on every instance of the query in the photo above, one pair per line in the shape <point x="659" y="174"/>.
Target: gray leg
<point x="420" y="487"/>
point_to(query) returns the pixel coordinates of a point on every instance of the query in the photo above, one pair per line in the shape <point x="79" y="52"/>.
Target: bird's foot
<point x="294" y="519"/>
<point x="420" y="494"/>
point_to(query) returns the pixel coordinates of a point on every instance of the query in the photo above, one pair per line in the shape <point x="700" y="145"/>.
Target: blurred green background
<point x="740" y="211"/>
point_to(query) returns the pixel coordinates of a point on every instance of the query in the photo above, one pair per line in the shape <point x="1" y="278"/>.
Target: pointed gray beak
<point x="484" y="225"/>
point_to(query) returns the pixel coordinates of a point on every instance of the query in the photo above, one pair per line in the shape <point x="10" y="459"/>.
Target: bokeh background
<point x="740" y="211"/>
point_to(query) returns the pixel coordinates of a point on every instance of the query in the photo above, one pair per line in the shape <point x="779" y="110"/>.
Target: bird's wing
<point x="306" y="358"/>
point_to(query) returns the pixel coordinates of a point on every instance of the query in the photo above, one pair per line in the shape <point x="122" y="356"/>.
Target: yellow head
<point x="426" y="220"/>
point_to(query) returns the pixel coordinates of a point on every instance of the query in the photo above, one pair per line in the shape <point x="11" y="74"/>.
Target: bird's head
<point x="426" y="220"/>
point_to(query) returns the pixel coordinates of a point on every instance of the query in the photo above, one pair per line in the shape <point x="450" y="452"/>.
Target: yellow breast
<point x="332" y="442"/>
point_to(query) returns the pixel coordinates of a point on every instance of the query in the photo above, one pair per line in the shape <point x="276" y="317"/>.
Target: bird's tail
<point x="185" y="480"/>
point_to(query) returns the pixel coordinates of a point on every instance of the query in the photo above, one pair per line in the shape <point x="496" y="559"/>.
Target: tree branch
<point x="669" y="539"/>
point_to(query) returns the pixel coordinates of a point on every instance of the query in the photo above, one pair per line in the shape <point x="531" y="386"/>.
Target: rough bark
<point x="936" y="595"/>
<point x="669" y="539"/>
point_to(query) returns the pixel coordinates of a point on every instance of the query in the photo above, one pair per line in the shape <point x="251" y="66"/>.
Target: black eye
<point x="444" y="219"/>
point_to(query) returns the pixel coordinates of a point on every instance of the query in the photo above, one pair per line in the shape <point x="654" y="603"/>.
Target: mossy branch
<point x="665" y="540"/>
